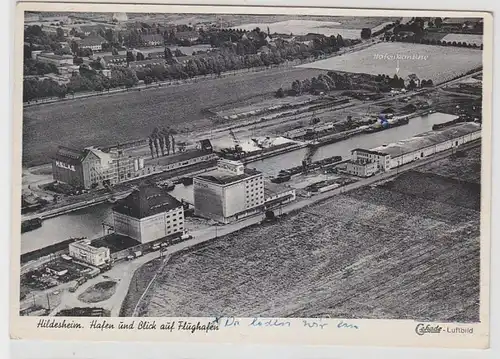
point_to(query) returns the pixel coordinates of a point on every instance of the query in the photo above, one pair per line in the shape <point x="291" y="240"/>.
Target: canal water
<point x="271" y="166"/>
<point x="88" y="222"/>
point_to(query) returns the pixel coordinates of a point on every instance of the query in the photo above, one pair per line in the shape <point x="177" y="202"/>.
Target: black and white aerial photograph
<point x="251" y="166"/>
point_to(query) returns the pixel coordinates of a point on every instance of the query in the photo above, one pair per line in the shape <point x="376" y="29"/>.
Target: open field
<point x="465" y="169"/>
<point x="458" y="61"/>
<point x="397" y="251"/>
<point x="346" y="27"/>
<point x="467" y="38"/>
<point x="133" y="115"/>
<point x="346" y="22"/>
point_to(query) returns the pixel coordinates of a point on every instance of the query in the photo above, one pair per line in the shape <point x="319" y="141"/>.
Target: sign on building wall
<point x="65" y="166"/>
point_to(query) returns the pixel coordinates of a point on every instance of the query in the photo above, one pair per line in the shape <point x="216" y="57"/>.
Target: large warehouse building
<point x="92" y="167"/>
<point x="365" y="163"/>
<point x="148" y="214"/>
<point x="228" y="193"/>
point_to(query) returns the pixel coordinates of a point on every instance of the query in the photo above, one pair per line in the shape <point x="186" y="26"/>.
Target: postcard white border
<point x="372" y="332"/>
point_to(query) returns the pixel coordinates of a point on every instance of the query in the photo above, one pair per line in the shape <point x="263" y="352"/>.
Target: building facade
<point x="382" y="160"/>
<point x="229" y="193"/>
<point x="85" y="252"/>
<point x="276" y="195"/>
<point x="57" y="60"/>
<point x="92" y="42"/>
<point x="92" y="167"/>
<point x="149" y="214"/>
<point x="365" y="163"/>
<point x="361" y="169"/>
<point x="153" y="39"/>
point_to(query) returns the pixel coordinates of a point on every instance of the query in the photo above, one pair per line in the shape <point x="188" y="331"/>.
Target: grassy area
<point x="408" y="249"/>
<point x="138" y="285"/>
<point x="127" y="116"/>
<point x="98" y="292"/>
<point x="458" y="61"/>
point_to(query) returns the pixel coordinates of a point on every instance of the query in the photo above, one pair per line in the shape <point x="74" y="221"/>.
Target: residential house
<point x="57" y="60"/>
<point x="146" y="63"/>
<point x="156" y="55"/>
<point x="115" y="60"/>
<point x="93" y="42"/>
<point x="307" y="39"/>
<point x="153" y="39"/>
<point x="92" y="29"/>
<point x="190" y="36"/>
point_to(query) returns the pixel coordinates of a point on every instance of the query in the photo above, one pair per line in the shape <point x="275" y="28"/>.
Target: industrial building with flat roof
<point x="276" y="194"/>
<point x="405" y="151"/>
<point x="229" y="193"/>
<point x="88" y="253"/>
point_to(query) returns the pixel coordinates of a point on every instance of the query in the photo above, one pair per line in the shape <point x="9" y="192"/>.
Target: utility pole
<point x="48" y="301"/>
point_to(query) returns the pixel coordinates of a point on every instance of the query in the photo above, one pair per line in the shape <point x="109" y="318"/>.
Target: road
<point x="123" y="272"/>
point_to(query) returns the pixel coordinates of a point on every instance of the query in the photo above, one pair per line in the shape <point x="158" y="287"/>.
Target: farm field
<point x="128" y="116"/>
<point x="458" y="61"/>
<point x="329" y="26"/>
<point x="467" y="38"/>
<point x="402" y="250"/>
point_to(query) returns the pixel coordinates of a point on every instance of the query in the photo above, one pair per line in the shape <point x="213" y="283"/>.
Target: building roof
<point x="70" y="155"/>
<point x="92" y="28"/>
<point x="427" y="139"/>
<point x="226" y="177"/>
<point x="56" y="57"/>
<point x="153" y="37"/>
<point x="105" y="157"/>
<point x="147" y="62"/>
<point x="273" y="189"/>
<point x="115" y="58"/>
<point x="146" y="201"/>
<point x="92" y="41"/>
<point x="187" y="35"/>
<point x="460" y="20"/>
<point x="373" y="151"/>
<point x="87" y="245"/>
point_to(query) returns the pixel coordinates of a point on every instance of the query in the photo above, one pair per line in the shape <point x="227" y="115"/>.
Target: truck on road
<point x="134" y="255"/>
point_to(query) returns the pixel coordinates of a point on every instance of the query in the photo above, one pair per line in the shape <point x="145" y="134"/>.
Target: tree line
<point x="322" y="83"/>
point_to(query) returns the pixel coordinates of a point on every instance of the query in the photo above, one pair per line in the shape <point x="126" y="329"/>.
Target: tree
<point x="366" y="33"/>
<point x="60" y="33"/>
<point x="74" y="47"/>
<point x="148" y="80"/>
<point x="340" y="41"/>
<point x="130" y="57"/>
<point x="412" y="85"/>
<point x="280" y="93"/>
<point x="438" y="21"/>
<point x="108" y="35"/>
<point x="140" y="56"/>
<point x="27" y="51"/>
